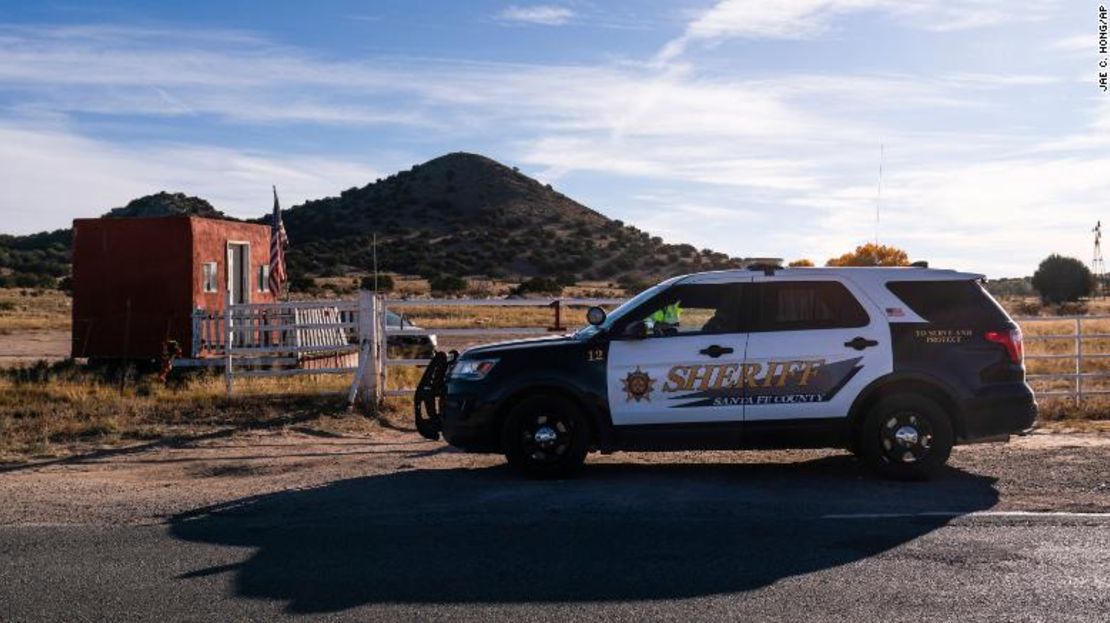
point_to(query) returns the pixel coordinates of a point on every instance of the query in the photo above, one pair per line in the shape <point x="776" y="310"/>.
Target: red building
<point x="137" y="281"/>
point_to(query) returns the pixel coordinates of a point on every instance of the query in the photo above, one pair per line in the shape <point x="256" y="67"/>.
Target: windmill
<point x="1098" y="267"/>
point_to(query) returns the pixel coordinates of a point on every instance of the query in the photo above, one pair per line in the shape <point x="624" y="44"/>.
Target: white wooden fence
<point x="351" y="337"/>
<point x="1085" y="348"/>
<point x="287" y="339"/>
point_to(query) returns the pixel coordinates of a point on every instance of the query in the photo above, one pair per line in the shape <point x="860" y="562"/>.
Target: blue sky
<point x="751" y="127"/>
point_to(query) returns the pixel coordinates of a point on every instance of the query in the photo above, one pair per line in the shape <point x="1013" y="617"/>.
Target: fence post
<point x="194" y="332"/>
<point x="1078" y="362"/>
<point x="381" y="347"/>
<point x="370" y="363"/>
<point x="229" y="339"/>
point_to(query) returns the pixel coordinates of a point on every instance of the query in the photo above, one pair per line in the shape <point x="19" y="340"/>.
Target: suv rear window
<point x="950" y="302"/>
<point x="802" y="305"/>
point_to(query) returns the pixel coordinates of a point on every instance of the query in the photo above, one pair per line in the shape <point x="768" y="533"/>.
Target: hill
<point x="464" y="214"/>
<point x="168" y="204"/>
<point x="459" y="214"/>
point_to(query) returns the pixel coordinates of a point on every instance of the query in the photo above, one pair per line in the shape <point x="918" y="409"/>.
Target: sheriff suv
<point x="894" y="364"/>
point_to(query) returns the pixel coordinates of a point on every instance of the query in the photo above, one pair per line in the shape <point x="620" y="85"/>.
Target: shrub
<point x="385" y="283"/>
<point x="1059" y="279"/>
<point x="1071" y="308"/>
<point x="539" y="285"/>
<point x="1028" y="308"/>
<point x="802" y="263"/>
<point x="447" y="284"/>
<point x="566" y="279"/>
<point x="872" y="254"/>
<point x="632" y="285"/>
<point x="301" y="283"/>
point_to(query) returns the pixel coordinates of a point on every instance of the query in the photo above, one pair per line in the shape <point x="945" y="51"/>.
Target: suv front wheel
<point x="907" y="437"/>
<point x="545" y="436"/>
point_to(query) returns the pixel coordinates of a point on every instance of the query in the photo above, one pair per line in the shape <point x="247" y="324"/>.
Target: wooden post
<point x="195" y="332"/>
<point x="557" y="305"/>
<point x="126" y="348"/>
<point x="382" y="347"/>
<point x="370" y="364"/>
<point x="229" y="335"/>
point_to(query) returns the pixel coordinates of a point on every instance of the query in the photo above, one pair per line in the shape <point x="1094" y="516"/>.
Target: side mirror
<point x="637" y="330"/>
<point x="595" y="316"/>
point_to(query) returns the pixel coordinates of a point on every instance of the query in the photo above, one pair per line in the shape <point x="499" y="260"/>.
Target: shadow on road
<point x="621" y="532"/>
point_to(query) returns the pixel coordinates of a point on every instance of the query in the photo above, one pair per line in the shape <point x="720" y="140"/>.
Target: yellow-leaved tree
<point x="802" y="263"/>
<point x="872" y="254"/>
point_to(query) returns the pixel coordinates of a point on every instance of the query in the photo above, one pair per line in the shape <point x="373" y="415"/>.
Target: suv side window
<point x="691" y="309"/>
<point x="806" y="305"/>
<point x="950" y="302"/>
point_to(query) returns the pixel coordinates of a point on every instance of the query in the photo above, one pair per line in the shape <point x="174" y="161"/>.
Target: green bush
<point x="301" y="283"/>
<point x="1059" y="279"/>
<point x="447" y="284"/>
<point x="539" y="285"/>
<point x="385" y="283"/>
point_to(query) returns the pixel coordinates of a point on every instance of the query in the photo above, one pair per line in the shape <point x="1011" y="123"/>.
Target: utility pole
<point x="879" y="193"/>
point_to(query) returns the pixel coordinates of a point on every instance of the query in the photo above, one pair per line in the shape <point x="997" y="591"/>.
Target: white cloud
<point x="754" y="166"/>
<point x="806" y="19"/>
<point x="544" y="14"/>
<point x="1075" y="44"/>
<point x="51" y="176"/>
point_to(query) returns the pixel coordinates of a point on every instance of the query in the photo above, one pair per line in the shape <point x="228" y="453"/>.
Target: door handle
<point x="860" y="343"/>
<point x="715" y="351"/>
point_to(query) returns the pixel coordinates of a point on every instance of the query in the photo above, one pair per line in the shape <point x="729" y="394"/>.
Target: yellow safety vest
<point x="669" y="314"/>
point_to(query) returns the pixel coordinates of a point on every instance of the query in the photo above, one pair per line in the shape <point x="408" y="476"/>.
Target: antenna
<point x="1098" y="267"/>
<point x="374" y="249"/>
<point x="879" y="193"/>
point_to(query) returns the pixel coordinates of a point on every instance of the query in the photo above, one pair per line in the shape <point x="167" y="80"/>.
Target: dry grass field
<point x="31" y="309"/>
<point x="49" y="410"/>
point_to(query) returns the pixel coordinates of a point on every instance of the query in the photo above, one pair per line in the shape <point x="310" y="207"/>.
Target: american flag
<point x="278" y="243"/>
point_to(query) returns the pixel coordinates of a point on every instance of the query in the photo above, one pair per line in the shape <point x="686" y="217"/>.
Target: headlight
<point x="472" y="369"/>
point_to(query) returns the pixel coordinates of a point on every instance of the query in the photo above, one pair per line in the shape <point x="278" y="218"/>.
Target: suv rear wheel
<point x="545" y="436"/>
<point x="907" y="437"/>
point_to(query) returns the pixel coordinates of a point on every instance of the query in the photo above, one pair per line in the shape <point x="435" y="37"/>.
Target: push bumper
<point x="999" y="412"/>
<point x="459" y="418"/>
<point x="431" y="392"/>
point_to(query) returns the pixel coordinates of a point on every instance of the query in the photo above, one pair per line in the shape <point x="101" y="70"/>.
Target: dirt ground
<point x="147" y="484"/>
<point x="29" y="346"/>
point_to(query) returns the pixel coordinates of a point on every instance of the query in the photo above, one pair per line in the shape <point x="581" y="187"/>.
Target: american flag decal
<point x="279" y="241"/>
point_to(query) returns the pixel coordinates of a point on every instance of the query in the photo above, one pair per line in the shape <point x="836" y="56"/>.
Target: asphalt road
<point x="805" y="541"/>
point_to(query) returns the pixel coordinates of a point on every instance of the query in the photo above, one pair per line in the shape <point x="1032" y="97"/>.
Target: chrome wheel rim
<point x="546" y="438"/>
<point x="906" y="437"/>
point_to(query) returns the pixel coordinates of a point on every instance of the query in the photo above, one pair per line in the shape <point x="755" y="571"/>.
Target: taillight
<point x="1010" y="339"/>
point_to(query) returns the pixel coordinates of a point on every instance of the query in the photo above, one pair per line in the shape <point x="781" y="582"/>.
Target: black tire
<point x="906" y="437"/>
<point x="545" y="436"/>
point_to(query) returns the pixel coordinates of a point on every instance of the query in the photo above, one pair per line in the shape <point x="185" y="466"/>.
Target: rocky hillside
<point x="464" y="214"/>
<point x="460" y="214"/>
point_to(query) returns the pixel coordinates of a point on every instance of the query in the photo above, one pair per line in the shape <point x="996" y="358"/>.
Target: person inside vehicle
<point x="666" y="320"/>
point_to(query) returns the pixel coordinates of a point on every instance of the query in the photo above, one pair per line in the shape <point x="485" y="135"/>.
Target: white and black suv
<point x="895" y="364"/>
